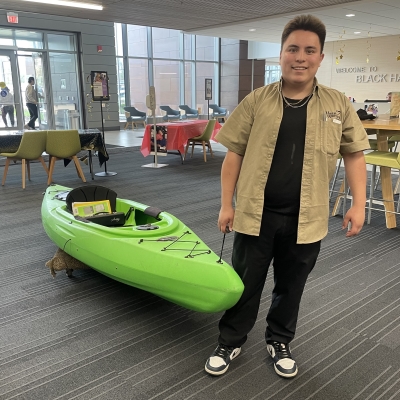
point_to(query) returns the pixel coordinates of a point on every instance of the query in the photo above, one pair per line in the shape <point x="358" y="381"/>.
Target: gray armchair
<point x="171" y="114"/>
<point x="218" y="112"/>
<point x="189" y="112"/>
<point x="133" y="116"/>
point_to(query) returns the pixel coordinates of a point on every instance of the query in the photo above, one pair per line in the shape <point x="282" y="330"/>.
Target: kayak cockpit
<point x="126" y="217"/>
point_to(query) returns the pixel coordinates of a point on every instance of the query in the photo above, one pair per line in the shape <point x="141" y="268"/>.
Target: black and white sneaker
<point x="218" y="362"/>
<point x="283" y="362"/>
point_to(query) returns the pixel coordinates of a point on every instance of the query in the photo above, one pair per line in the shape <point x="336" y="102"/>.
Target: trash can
<point x="73" y="119"/>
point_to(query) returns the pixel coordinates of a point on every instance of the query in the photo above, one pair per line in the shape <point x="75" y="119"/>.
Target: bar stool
<point x="344" y="190"/>
<point x="381" y="159"/>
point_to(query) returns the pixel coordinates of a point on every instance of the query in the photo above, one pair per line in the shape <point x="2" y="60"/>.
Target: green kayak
<point x="151" y="250"/>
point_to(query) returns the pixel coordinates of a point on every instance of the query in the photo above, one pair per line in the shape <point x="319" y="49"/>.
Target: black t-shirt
<point x="282" y="190"/>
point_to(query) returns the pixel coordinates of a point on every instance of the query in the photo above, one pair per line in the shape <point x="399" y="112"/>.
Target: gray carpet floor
<point x="89" y="337"/>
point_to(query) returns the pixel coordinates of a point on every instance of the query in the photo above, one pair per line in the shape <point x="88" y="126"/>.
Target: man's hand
<point x="225" y="219"/>
<point x="355" y="217"/>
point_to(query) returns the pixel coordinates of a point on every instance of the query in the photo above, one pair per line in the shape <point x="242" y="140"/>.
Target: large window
<point x="166" y="43"/>
<point x="272" y="73"/>
<point x="51" y="58"/>
<point x="118" y="40"/>
<point x="206" y="48"/>
<point x="166" y="82"/>
<point x="137" y="41"/>
<point x="203" y="71"/>
<point x="139" y="82"/>
<point x="61" y="42"/>
<point x="121" y="85"/>
<point x="28" y="39"/>
<point x="189" y="74"/>
<point x="176" y="64"/>
<point x="63" y="71"/>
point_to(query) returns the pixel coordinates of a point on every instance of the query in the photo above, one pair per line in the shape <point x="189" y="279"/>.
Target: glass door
<point x="40" y="86"/>
<point x="10" y="99"/>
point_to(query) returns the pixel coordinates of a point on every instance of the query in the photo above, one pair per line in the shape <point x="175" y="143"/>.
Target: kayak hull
<point x="170" y="261"/>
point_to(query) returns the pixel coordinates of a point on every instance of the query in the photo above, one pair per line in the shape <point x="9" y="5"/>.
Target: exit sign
<point x="12" y="18"/>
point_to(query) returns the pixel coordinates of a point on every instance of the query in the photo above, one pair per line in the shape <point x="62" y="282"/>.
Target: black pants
<point x="33" y="112"/>
<point x="292" y="264"/>
<point x="10" y="111"/>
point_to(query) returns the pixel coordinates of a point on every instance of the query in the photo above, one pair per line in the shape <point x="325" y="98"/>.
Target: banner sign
<point x="161" y="138"/>
<point x="208" y="89"/>
<point x="99" y="81"/>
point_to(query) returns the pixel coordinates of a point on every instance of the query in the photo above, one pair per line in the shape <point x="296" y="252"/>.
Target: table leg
<point x="91" y="164"/>
<point x="386" y="183"/>
<point x="387" y="195"/>
<point x="342" y="195"/>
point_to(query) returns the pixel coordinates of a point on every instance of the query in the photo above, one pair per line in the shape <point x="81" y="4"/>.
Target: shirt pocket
<point x="331" y="134"/>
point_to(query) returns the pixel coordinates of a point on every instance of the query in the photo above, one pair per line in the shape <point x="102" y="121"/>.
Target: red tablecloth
<point x="178" y="134"/>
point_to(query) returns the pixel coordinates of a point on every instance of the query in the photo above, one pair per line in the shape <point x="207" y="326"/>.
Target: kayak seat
<point x="91" y="193"/>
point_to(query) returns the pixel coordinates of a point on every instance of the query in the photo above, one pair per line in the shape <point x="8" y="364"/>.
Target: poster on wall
<point x="99" y="81"/>
<point x="208" y="89"/>
<point x="161" y="140"/>
<point x="395" y="105"/>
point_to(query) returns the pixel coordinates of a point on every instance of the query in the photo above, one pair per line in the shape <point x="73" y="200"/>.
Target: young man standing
<point x="283" y="141"/>
<point x="31" y="103"/>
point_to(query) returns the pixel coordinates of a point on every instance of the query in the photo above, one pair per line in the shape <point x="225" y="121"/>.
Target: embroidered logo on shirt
<point x="336" y="115"/>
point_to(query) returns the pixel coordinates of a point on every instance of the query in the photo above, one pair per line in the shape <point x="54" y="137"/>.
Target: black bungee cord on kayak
<point x="222" y="248"/>
<point x="227" y="230"/>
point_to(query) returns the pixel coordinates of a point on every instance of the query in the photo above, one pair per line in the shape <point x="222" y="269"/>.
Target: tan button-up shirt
<point x="252" y="130"/>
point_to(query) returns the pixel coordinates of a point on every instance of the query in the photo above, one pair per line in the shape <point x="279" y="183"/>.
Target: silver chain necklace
<point x="296" y="105"/>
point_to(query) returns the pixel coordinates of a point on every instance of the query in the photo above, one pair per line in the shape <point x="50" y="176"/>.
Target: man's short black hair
<point x="31" y="79"/>
<point x="305" y="23"/>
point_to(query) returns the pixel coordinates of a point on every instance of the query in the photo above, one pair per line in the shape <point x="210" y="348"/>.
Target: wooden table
<point x="177" y="134"/>
<point x="384" y="127"/>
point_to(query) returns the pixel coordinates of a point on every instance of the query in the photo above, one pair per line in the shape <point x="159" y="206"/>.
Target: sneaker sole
<point x="217" y="373"/>
<point x="282" y="374"/>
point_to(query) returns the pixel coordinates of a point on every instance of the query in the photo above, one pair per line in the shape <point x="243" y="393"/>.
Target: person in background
<point x="283" y="141"/>
<point x="7" y="100"/>
<point x="389" y="97"/>
<point x="32" y="103"/>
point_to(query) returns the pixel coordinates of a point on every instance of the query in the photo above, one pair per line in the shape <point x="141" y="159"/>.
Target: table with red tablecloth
<point x="177" y="134"/>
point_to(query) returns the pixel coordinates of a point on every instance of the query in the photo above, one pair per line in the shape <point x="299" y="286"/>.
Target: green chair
<point x="32" y="146"/>
<point x="373" y="143"/>
<point x="203" y="139"/>
<point x="381" y="159"/>
<point x="62" y="145"/>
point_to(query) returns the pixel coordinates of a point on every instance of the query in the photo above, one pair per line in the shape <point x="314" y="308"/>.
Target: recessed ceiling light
<point x="68" y="4"/>
<point x="251" y="30"/>
<point x="350" y="15"/>
<point x="357" y="33"/>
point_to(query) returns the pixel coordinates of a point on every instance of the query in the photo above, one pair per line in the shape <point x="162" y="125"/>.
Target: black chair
<point x="171" y="114"/>
<point x="189" y="112"/>
<point x="218" y="112"/>
<point x="133" y="116"/>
